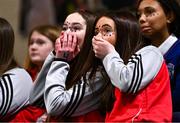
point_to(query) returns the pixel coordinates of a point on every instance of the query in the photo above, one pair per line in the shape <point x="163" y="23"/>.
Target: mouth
<point x="145" y="29"/>
<point x="33" y="54"/>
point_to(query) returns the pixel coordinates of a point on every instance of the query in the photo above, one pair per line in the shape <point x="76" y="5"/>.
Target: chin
<point x="147" y="34"/>
<point x="35" y="61"/>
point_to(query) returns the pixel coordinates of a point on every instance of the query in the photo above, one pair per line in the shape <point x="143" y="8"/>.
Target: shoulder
<point x="16" y="85"/>
<point x="151" y="59"/>
<point x="150" y="50"/>
<point x="177" y="47"/>
<point x="19" y="75"/>
<point x="150" y="55"/>
<point x="173" y="54"/>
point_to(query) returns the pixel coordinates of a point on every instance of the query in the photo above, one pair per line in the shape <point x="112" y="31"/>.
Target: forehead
<point x="75" y="18"/>
<point x="105" y="21"/>
<point x="36" y="35"/>
<point x="149" y="3"/>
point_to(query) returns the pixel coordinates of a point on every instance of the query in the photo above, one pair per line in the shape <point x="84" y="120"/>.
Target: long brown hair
<point x="129" y="40"/>
<point x="83" y="62"/>
<point x="6" y="46"/>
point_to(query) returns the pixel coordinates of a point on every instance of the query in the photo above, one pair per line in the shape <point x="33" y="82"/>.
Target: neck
<point x="158" y="39"/>
<point x="39" y="68"/>
<point x="39" y="65"/>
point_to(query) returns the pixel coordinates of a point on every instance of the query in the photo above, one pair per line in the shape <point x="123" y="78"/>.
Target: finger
<point x="69" y="40"/>
<point x="94" y="41"/>
<point x="57" y="44"/>
<point x="95" y="44"/>
<point x="57" y="40"/>
<point x="95" y="49"/>
<point x="98" y="39"/>
<point x="95" y="53"/>
<point x="61" y="35"/>
<point x="61" y="38"/>
<point x="58" y="47"/>
<point x="77" y="50"/>
<point x="74" y="42"/>
<point x="65" y="40"/>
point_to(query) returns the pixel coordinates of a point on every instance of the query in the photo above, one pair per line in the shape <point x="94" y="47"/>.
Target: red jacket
<point x="153" y="103"/>
<point x="28" y="114"/>
<point x="93" y="116"/>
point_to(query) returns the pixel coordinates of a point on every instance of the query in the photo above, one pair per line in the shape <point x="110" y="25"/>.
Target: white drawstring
<point x="136" y="115"/>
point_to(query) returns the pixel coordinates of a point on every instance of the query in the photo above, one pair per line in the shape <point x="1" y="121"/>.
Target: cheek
<point x="44" y="53"/>
<point x="47" y="49"/>
<point x="158" y="26"/>
<point x="80" y="38"/>
<point x="111" y="39"/>
<point x="29" y="49"/>
<point x="157" y="20"/>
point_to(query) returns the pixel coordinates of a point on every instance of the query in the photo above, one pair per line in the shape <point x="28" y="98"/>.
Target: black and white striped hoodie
<point x="15" y="86"/>
<point x="76" y="101"/>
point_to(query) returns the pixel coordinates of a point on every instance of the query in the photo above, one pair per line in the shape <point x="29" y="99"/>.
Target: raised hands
<point x="67" y="46"/>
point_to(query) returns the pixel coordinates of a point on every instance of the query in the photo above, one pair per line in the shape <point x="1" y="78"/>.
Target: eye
<point x="40" y="42"/>
<point x="106" y="31"/>
<point x="138" y="14"/>
<point x="149" y="12"/>
<point x="75" y="28"/>
<point x="31" y="42"/>
<point x="64" y="28"/>
<point x="96" y="32"/>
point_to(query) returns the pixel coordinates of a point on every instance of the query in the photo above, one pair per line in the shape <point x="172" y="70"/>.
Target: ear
<point x="170" y="17"/>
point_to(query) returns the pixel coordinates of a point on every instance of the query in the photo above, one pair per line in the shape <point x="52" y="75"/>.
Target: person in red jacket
<point x="141" y="81"/>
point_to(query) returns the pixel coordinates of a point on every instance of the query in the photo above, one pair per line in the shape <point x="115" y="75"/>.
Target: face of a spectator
<point x="106" y="29"/>
<point x="76" y="23"/>
<point x="39" y="48"/>
<point x="152" y="18"/>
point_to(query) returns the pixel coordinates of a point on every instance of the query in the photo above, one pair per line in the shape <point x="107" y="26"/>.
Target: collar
<point x="166" y="45"/>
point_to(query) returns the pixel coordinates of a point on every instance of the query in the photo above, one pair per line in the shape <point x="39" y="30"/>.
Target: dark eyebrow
<point x="106" y="25"/>
<point x="64" y="24"/>
<point x="76" y="24"/>
<point x="96" y="27"/>
<point x="149" y="7"/>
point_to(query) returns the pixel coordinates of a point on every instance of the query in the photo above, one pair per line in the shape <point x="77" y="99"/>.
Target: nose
<point x="99" y="34"/>
<point x="142" y="18"/>
<point x="33" y="46"/>
<point x="68" y="30"/>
